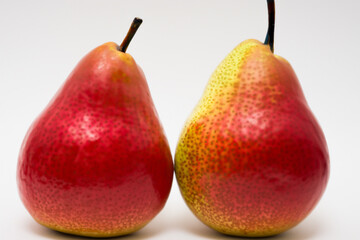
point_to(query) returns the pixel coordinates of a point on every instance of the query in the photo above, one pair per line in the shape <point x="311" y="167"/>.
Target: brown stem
<point x="133" y="28"/>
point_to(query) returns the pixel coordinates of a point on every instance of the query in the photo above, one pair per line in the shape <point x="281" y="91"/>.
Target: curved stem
<point x="270" y="33"/>
<point x="133" y="28"/>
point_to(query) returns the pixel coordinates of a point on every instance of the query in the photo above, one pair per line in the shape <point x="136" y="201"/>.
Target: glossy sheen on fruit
<point x="96" y="161"/>
<point x="251" y="159"/>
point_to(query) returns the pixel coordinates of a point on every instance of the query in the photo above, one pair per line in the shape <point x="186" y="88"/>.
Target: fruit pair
<point x="251" y="160"/>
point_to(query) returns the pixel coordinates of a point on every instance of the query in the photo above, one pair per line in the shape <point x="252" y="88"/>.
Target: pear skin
<point x="252" y="160"/>
<point x="96" y="161"/>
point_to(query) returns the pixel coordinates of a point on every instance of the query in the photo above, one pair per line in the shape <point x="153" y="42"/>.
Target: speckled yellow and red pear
<point x="252" y="159"/>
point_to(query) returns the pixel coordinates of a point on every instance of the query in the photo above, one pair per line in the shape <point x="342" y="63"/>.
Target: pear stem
<point x="132" y="30"/>
<point x="269" y="40"/>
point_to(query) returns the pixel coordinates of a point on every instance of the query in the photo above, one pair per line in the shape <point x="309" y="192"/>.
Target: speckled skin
<point x="96" y="161"/>
<point x="252" y="160"/>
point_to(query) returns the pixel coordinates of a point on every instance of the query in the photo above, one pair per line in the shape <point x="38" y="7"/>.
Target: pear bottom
<point x="93" y="233"/>
<point x="252" y="234"/>
<point x="253" y="230"/>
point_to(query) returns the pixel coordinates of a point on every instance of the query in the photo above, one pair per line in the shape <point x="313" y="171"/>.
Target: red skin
<point x="96" y="161"/>
<point x="252" y="159"/>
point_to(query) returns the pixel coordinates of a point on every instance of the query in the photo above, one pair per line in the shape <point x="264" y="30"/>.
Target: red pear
<point x="96" y="161"/>
<point x="252" y="160"/>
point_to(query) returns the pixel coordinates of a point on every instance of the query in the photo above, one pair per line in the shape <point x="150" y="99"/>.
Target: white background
<point x="178" y="46"/>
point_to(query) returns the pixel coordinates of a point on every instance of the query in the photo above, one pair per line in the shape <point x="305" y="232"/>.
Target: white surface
<point x="178" y="46"/>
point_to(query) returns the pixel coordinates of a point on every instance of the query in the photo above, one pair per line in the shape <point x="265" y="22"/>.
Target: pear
<point x="96" y="161"/>
<point x="252" y="161"/>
